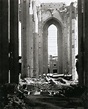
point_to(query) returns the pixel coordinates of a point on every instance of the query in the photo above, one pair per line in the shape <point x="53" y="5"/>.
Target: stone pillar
<point x="65" y="41"/>
<point x="85" y="39"/>
<point x="9" y="39"/>
<point x="70" y="63"/>
<point x="4" y="63"/>
<point x="63" y="44"/>
<point x="80" y="43"/>
<point x="40" y="43"/>
<point x="29" y="34"/>
<point x="35" y="41"/>
<point x="35" y="56"/>
<point x="25" y="38"/>
<point x="73" y="42"/>
<point x="14" y="66"/>
<point x="60" y="49"/>
<point x="51" y="64"/>
<point x="30" y="41"/>
<point x="45" y="50"/>
<point x="68" y="45"/>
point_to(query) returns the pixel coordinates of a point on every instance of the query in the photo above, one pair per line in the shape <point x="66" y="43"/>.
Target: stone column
<point x="30" y="41"/>
<point x="51" y="64"/>
<point x="4" y="63"/>
<point x="80" y="43"/>
<point x="60" y="49"/>
<point x="14" y="69"/>
<point x="35" y="41"/>
<point x="63" y="44"/>
<point x="45" y="50"/>
<point x="65" y="41"/>
<point x="9" y="39"/>
<point x="40" y="43"/>
<point x="73" y="42"/>
<point x="85" y="39"/>
<point x="25" y="38"/>
<point x="68" y="45"/>
<point x="70" y="63"/>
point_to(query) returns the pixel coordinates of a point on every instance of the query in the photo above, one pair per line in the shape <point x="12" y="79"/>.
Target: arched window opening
<point x="52" y="49"/>
<point x="52" y="40"/>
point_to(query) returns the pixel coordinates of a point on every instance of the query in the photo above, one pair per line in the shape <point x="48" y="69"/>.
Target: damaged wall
<point x="40" y="18"/>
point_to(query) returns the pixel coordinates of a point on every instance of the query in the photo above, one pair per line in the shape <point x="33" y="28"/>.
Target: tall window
<point x="52" y="40"/>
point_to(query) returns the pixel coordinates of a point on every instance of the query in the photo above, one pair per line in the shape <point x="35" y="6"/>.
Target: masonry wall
<point x="35" y="48"/>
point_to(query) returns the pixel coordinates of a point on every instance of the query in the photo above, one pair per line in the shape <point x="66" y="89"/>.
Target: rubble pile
<point x="20" y="96"/>
<point x="52" y="85"/>
<point x="10" y="97"/>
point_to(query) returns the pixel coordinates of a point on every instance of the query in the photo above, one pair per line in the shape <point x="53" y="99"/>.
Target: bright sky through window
<point x="52" y="40"/>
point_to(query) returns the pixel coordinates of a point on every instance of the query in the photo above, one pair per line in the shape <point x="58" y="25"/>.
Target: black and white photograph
<point x="43" y="54"/>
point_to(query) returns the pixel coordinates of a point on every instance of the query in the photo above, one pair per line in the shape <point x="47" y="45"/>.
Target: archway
<point x="52" y="49"/>
<point x="59" y="44"/>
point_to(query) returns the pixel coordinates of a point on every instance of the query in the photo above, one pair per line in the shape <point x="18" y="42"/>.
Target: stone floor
<point x="46" y="102"/>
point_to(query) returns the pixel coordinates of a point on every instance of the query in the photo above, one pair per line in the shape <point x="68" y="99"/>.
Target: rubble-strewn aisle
<point x="51" y="92"/>
<point x="47" y="102"/>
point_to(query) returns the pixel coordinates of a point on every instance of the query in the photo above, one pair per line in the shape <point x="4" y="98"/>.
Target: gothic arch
<point x="59" y="26"/>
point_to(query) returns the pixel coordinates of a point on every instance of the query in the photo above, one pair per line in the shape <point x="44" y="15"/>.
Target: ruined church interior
<point x="43" y="54"/>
